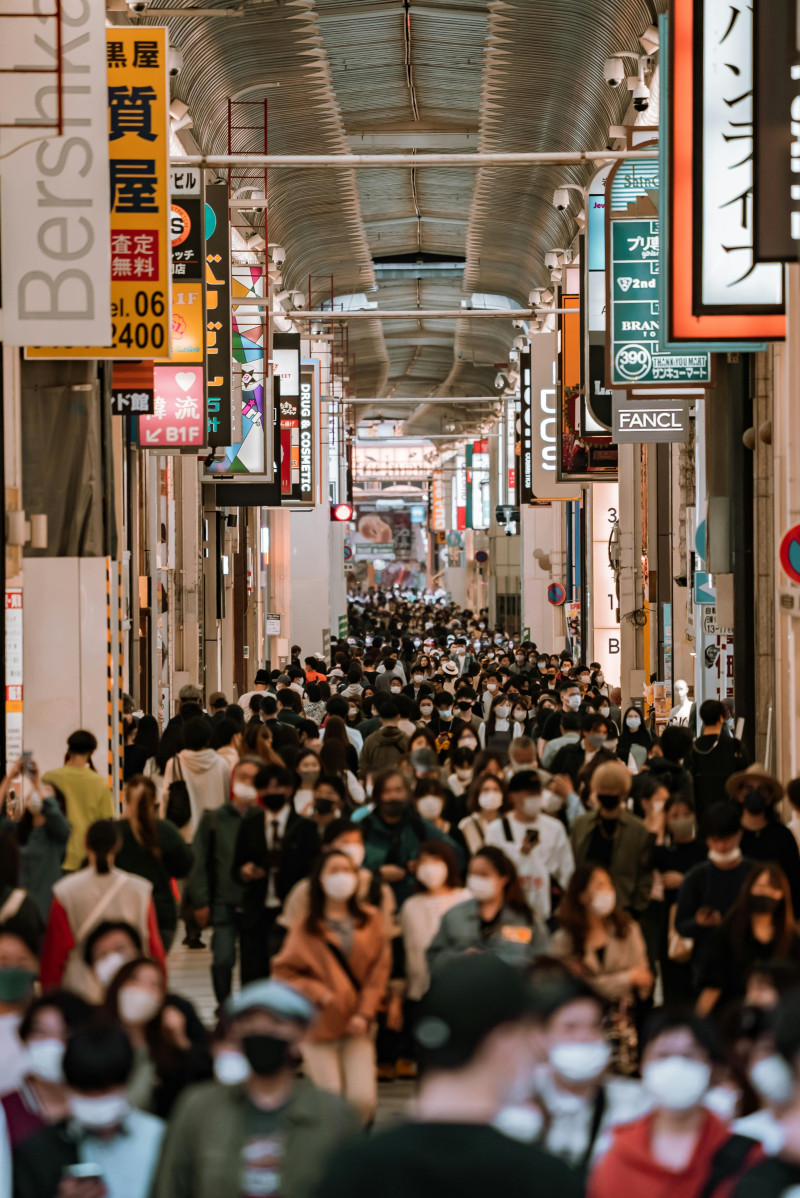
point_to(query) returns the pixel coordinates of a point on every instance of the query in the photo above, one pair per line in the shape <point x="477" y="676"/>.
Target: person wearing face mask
<point x="537" y="844"/>
<point x="268" y="868"/>
<point x="680" y="1148"/>
<point x="33" y="814"/>
<point x="759" y="927"/>
<point x="769" y="1075"/>
<point x="679" y="851"/>
<point x="339" y="957"/>
<point x="42" y="1098"/>
<point x="460" y="654"/>
<point x="476" y="1047"/>
<point x="486" y="802"/>
<point x="635" y="741"/>
<point x="497" y="732"/>
<point x="307" y="768"/>
<point x="581" y="1099"/>
<point x="430" y="799"/>
<point x="19" y="969"/>
<point x="154" y="849"/>
<point x="491" y="689"/>
<point x="569" y="694"/>
<point x="429" y="716"/>
<point x="462" y="762"/>
<point x="211" y="891"/>
<point x="167" y="1037"/>
<point x="611" y="836"/>
<point x="600" y="942"/>
<point x="764" y="836"/>
<point x="419" y="686"/>
<point x="104" y="1147"/>
<point x="710" y="889"/>
<point x="263" y="1130"/>
<point x="439" y="889"/>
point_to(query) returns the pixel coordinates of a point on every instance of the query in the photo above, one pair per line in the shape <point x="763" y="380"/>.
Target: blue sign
<point x="418" y="513"/>
<point x="704" y="590"/>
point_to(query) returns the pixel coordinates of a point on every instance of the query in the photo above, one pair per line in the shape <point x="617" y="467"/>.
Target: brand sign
<point x="138" y="152"/>
<point x="776" y="148"/>
<point x="55" y="193"/>
<point x="186" y="230"/>
<point x="717" y="290"/>
<point x="218" y="315"/>
<point x="651" y="420"/>
<point x="636" y="355"/>
<point x="13" y="674"/>
<point x="178" y="420"/>
<point x="539" y="424"/>
<point x="438" y="516"/>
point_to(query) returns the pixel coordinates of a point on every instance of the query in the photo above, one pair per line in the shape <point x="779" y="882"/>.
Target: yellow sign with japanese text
<point x="138" y="149"/>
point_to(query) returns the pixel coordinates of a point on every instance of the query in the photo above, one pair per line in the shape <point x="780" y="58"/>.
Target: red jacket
<point x="629" y="1168"/>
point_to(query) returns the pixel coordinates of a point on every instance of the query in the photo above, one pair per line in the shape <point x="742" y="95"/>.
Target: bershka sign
<point x="640" y="421"/>
<point x="538" y="424"/>
<point x="55" y="193"/>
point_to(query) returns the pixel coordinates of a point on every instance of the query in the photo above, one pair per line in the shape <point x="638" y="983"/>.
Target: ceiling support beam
<point x="408" y="161"/>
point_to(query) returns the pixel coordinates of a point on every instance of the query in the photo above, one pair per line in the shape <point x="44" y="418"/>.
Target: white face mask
<point x="463" y="773"/>
<point x="231" y="1068"/>
<point x="551" y="802"/>
<point x="481" y="887"/>
<point x="108" y="967"/>
<point x="605" y="711"/>
<point x="244" y="792"/>
<point x="426" y="708"/>
<point x="340" y="886"/>
<point x="45" y="1058"/>
<point x="502" y="711"/>
<point x="580" y="1062"/>
<point x="532" y="806"/>
<point x="432" y="874"/>
<point x="604" y="902"/>
<point x="430" y="807"/>
<point x="490" y="800"/>
<point x="355" y="852"/>
<point x="491" y="687"/>
<point x="138" y="1005"/>
<point x="395" y="689"/>
<point x="722" y="1101"/>
<point x="728" y="858"/>
<point x="520" y="715"/>
<point x="772" y="1079"/>
<point x="676" y="1083"/>
<point x="352" y="712"/>
<point x="418" y="678"/>
<point x="574" y="702"/>
<point x="467" y="742"/>
<point x="633" y="722"/>
<point x="600" y="679"/>
<point x="99" y="1113"/>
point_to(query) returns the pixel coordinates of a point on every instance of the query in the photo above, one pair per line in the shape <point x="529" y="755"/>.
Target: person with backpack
<point x="714" y="757"/>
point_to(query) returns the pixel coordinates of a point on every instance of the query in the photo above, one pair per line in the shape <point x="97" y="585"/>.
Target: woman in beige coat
<point x="339" y="957"/>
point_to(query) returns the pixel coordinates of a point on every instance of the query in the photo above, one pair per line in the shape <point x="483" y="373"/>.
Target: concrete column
<point x="279" y="584"/>
<point x="186" y="599"/>
<point x="310" y="608"/>
<point x="631" y="597"/>
<point x="542" y="562"/>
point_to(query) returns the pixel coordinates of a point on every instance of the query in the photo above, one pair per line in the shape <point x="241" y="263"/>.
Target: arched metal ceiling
<point x="382" y="73"/>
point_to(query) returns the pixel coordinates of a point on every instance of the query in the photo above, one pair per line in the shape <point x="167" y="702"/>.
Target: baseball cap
<point x="262" y="676"/>
<point x="468" y="998"/>
<point x="282" y="1001"/>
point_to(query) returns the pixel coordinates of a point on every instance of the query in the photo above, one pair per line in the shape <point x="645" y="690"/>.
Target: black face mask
<point x="268" y="1055"/>
<point x="608" y="802"/>
<point x="323" y="806"/>
<point x="394" y="808"/>
<point x="273" y="802"/>
<point x="755" y="801"/>
<point x="764" y="904"/>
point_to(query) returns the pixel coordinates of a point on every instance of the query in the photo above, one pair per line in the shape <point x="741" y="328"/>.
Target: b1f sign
<point x="178" y="420"/>
<point x="55" y="193"/>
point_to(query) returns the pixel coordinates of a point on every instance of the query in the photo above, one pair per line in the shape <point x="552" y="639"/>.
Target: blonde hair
<point x="611" y="778"/>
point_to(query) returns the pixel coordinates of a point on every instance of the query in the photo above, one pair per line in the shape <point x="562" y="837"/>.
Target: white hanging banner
<point x="539" y="423"/>
<point x="56" y="238"/>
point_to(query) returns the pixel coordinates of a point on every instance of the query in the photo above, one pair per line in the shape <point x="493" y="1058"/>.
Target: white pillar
<point x="542" y="562"/>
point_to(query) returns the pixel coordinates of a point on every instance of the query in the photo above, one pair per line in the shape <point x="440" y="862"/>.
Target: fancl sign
<point x="649" y="420"/>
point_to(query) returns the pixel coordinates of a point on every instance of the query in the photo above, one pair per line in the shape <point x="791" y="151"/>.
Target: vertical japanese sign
<point x="776" y="112"/>
<point x="187" y="249"/>
<point x="526" y="494"/>
<point x="55" y="229"/>
<point x="218" y="315"/>
<point x="178" y="420"/>
<point x="438" y="515"/>
<point x="138" y="150"/>
<point x="13" y="698"/>
<point x="132" y="388"/>
<point x="717" y="291"/>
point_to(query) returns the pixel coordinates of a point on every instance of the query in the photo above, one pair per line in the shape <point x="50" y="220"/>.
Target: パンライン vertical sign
<point x="56" y="280"/>
<point x="138" y="163"/>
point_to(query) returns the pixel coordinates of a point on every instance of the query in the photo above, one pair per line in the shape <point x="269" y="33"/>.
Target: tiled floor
<point x="190" y="975"/>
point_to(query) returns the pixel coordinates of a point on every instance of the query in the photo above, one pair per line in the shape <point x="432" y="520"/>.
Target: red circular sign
<point x="790" y="553"/>
<point x="556" y="594"/>
<point x="481" y="557"/>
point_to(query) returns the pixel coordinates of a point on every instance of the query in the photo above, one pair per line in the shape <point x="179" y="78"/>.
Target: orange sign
<point x="188" y="331"/>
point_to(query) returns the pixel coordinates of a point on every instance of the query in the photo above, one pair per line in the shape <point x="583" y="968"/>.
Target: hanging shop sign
<point x="186" y="226"/>
<point x="138" y="154"/>
<point x="178" y="420"/>
<point x="638" y="421"/>
<point x="717" y="289"/>
<point x="635" y="355"/>
<point x="218" y="315"/>
<point x="132" y="389"/>
<point x="438" y="515"/>
<point x="293" y="394"/>
<point x="13" y="675"/>
<point x="776" y="112"/>
<point x="56" y="276"/>
<point x="538" y="424"/>
<point x="583" y="454"/>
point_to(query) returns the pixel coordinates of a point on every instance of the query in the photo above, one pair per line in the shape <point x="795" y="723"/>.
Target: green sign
<point x="637" y="355"/>
<point x="342" y="626"/>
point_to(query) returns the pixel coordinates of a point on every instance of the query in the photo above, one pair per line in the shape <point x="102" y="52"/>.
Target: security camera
<point x="174" y="61"/>
<point x="556" y="275"/>
<point x="614" y="72"/>
<point x="518" y="324"/>
<point x="561" y="199"/>
<point x="551" y="259"/>
<point x="535" y="296"/>
<point x="299" y="299"/>
<point x="278" y="255"/>
<point x="139" y="5"/>
<point x="641" y="97"/>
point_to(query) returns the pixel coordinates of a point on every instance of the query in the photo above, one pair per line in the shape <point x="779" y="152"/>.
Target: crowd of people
<point x="439" y="853"/>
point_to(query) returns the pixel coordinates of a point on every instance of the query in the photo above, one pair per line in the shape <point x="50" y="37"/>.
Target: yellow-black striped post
<point x="109" y="678"/>
<point x="120" y="680"/>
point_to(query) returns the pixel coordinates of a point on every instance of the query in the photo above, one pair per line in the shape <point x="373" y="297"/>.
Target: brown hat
<point x="754" y="776"/>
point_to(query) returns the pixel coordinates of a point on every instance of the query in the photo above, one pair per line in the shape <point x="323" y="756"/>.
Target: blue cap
<point x="282" y="1001"/>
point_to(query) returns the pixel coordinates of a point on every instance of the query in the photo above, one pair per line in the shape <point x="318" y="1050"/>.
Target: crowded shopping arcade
<point x="400" y="789"/>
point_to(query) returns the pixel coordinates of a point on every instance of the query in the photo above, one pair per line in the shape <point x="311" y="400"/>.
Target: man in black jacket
<point x="715" y="756"/>
<point x="275" y="847"/>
